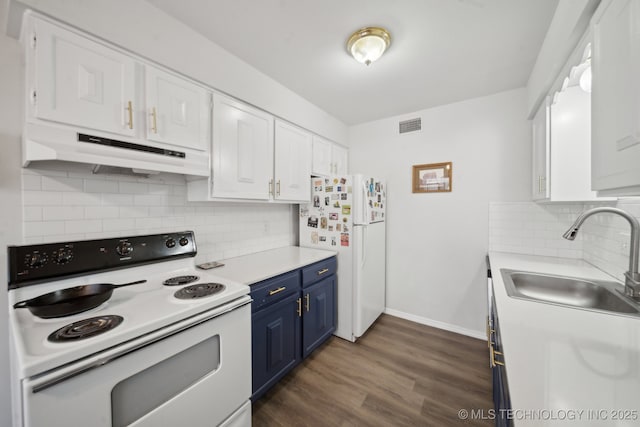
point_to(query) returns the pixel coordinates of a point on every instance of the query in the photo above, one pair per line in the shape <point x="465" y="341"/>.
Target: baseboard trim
<point x="481" y="335"/>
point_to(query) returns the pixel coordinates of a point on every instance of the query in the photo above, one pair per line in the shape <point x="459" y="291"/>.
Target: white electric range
<point x="150" y="355"/>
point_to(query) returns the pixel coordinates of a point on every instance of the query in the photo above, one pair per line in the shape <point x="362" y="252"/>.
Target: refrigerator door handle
<point x="364" y="246"/>
<point x="365" y="205"/>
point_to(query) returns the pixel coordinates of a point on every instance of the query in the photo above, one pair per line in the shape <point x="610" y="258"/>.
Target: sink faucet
<point x="632" y="278"/>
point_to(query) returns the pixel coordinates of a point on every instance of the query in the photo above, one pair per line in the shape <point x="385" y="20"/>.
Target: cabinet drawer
<point x="275" y="289"/>
<point x="318" y="271"/>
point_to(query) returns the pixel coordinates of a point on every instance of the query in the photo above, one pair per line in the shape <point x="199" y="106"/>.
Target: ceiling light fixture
<point x="368" y="44"/>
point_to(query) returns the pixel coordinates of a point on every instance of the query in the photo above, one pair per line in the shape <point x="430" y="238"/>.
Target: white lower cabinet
<point x="254" y="157"/>
<point x="177" y="110"/>
<point x="616" y="98"/>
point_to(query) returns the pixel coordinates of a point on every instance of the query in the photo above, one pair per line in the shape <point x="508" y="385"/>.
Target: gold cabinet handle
<point x="278" y="188"/>
<point x="130" y="110"/>
<point x="306" y="303"/>
<point x="321" y="272"/>
<point x="493" y="353"/>
<point x="154" y="123"/>
<point x="276" y="291"/>
<point x="299" y="310"/>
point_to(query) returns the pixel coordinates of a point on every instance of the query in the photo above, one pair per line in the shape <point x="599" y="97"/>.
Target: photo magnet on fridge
<point x="316" y="201"/>
<point x="329" y="189"/>
<point x="327" y="201"/>
<point x="336" y="204"/>
<point x="304" y="211"/>
<point x="344" y="239"/>
<point x="346" y="209"/>
<point x="323" y="222"/>
<point x="343" y="180"/>
<point x="338" y="227"/>
<point x="333" y="241"/>
<point x="331" y="228"/>
<point x="312" y="222"/>
<point x="314" y="237"/>
<point x="335" y="196"/>
<point x="332" y="216"/>
<point x="323" y="238"/>
<point x="343" y="196"/>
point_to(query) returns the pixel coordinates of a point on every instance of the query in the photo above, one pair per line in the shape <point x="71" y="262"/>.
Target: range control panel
<point x="36" y="263"/>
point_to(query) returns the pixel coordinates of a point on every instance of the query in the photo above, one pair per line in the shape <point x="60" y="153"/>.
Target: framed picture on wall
<point x="433" y="178"/>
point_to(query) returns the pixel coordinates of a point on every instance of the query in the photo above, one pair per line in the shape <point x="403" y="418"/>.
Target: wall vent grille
<point x="411" y="125"/>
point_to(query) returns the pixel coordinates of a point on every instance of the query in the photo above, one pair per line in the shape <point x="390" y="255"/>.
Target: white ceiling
<point x="442" y="51"/>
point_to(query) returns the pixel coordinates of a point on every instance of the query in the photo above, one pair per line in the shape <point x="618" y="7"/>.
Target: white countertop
<point x="253" y="268"/>
<point x="564" y="359"/>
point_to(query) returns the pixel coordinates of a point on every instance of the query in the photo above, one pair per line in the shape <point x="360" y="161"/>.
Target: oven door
<point x="196" y="372"/>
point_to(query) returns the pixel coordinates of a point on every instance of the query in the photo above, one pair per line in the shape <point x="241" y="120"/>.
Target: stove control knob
<point x="184" y="241"/>
<point x="64" y="256"/>
<point x="170" y="242"/>
<point x="37" y="260"/>
<point x="124" y="248"/>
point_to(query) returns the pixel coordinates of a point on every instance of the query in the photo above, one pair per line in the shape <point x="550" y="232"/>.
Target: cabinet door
<point x="540" y="128"/>
<point x="177" y="110"/>
<point x="616" y="96"/>
<point x="292" y="163"/>
<point x="81" y="82"/>
<point x="242" y="152"/>
<point x="340" y="159"/>
<point x="322" y="162"/>
<point x="319" y="318"/>
<point x="275" y="343"/>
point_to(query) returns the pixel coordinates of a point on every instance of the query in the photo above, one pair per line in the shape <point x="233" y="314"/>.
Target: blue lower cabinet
<point x="275" y="343"/>
<point x="319" y="318"/>
<point x="292" y="314"/>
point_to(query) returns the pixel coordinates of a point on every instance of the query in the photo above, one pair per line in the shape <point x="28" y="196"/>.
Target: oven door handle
<point x="144" y="341"/>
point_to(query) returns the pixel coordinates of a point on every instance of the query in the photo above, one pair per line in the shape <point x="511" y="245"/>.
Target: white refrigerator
<point x="347" y="215"/>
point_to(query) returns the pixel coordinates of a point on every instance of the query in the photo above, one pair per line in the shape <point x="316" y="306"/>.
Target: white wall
<point x="11" y="107"/>
<point x="436" y="243"/>
<point x="141" y="28"/>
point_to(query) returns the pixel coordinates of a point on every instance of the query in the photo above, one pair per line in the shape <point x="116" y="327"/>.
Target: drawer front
<point x="274" y="289"/>
<point x="319" y="271"/>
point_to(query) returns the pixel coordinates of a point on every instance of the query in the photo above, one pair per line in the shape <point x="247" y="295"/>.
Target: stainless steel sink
<point x="568" y="291"/>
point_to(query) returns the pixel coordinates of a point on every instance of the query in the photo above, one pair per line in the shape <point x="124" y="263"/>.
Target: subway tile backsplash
<point x="531" y="228"/>
<point x="68" y="202"/>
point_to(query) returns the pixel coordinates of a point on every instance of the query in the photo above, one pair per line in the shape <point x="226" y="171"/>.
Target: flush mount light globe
<point x="368" y="44"/>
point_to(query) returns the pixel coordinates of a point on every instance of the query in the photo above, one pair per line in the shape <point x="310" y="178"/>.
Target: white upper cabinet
<point x="292" y="163"/>
<point x="178" y="111"/>
<point x="340" y="159"/>
<point x="322" y="162"/>
<point x="80" y="82"/>
<point x="242" y="151"/>
<point x="616" y="98"/>
<point x="329" y="158"/>
<point x="540" y="136"/>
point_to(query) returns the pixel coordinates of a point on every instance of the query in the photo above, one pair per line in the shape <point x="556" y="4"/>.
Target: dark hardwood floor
<point x="400" y="373"/>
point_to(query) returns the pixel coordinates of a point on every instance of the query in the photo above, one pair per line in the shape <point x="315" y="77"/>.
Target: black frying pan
<point x="66" y="302"/>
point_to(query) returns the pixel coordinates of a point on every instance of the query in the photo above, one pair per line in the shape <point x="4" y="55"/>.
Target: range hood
<point x="46" y="143"/>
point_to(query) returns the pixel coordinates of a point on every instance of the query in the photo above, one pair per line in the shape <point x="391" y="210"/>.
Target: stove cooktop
<point x="143" y="308"/>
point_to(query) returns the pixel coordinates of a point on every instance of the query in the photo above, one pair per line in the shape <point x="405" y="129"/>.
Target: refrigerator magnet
<point x="349" y="189"/>
<point x="346" y="209"/>
<point x="327" y="201"/>
<point x="344" y="239"/>
<point x="335" y="196"/>
<point x="316" y="201"/>
<point x="336" y="204"/>
<point x="339" y="188"/>
<point x="333" y="241"/>
<point x="314" y="237"/>
<point x="304" y="211"/>
<point x="335" y="181"/>
<point x="323" y="222"/>
<point x="323" y="238"/>
<point x="343" y="196"/>
<point x="338" y="227"/>
<point x="312" y="222"/>
<point x="329" y="189"/>
<point x="331" y="228"/>
<point x="333" y="216"/>
<point x="343" y="180"/>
